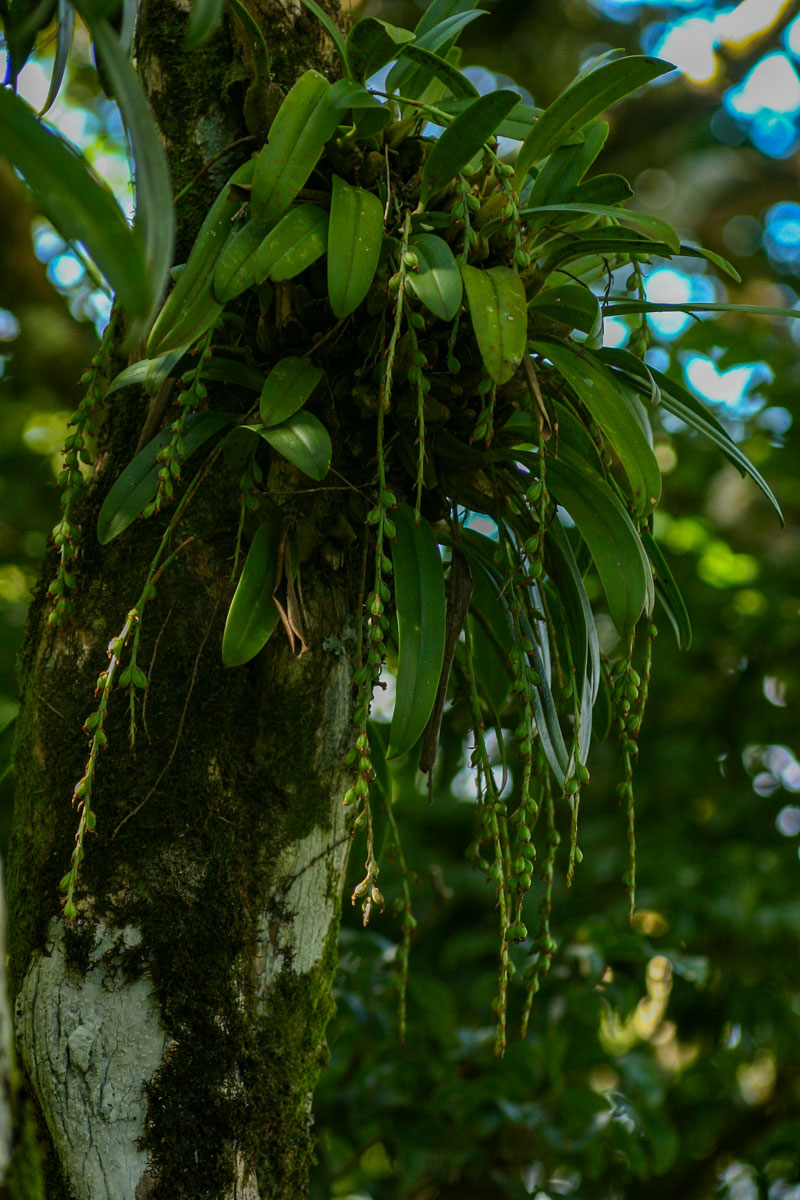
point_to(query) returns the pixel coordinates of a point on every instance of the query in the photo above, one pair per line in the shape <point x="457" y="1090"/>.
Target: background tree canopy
<point x="661" y="1056"/>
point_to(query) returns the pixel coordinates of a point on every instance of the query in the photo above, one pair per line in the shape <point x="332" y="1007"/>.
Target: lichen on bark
<point x="211" y="894"/>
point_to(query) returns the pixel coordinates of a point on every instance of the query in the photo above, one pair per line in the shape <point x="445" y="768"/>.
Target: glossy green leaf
<point x="420" y="602"/>
<point x="499" y="317"/>
<point x="597" y="389"/>
<point x="443" y="70"/>
<point x="231" y="370"/>
<point x="138" y="483"/>
<point x="652" y="227"/>
<point x="437" y="281"/>
<point x="298" y="240"/>
<point x="155" y="211"/>
<point x="570" y="304"/>
<point x="355" y="235"/>
<point x="566" y="167"/>
<point x="235" y="270"/>
<point x="79" y="205"/>
<point x="439" y="11"/>
<point x="405" y="77"/>
<point x="668" y="592"/>
<point x="191" y="308"/>
<point x="371" y="44"/>
<point x="304" y="441"/>
<point x="586" y="98"/>
<point x="645" y="306"/>
<point x="609" y="534"/>
<point x="149" y="373"/>
<point x="302" y="126"/>
<point x="462" y="140"/>
<point x="253" y="614"/>
<point x="204" y="17"/>
<point x="517" y="124"/>
<point x="286" y="389"/>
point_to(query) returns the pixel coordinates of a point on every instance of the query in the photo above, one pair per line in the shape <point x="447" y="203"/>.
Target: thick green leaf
<point x="462" y="140"/>
<point x="355" y="235"/>
<point x="621" y="306"/>
<point x="231" y="370"/>
<point x="298" y="240"/>
<point x="517" y="124"/>
<point x="668" y="592"/>
<point x="286" y="389"/>
<point x="191" y="308"/>
<point x="652" y="227"/>
<point x="570" y="304"/>
<point x="603" y="189"/>
<point x="420" y="602"/>
<point x="599" y="392"/>
<point x="437" y="281"/>
<point x="148" y="372"/>
<point x="371" y="44"/>
<point x="302" y="126"/>
<point x="138" y="483"/>
<point x="439" y="68"/>
<point x="609" y="534"/>
<point x="330" y="27"/>
<point x="410" y="80"/>
<point x="304" y="441"/>
<point x="79" y="205"/>
<point x="376" y="735"/>
<point x="566" y="167"/>
<point x="235" y="271"/>
<point x="498" y="311"/>
<point x="204" y="17"/>
<point x="253" y="614"/>
<point x="155" y="211"/>
<point x="583" y="100"/>
<point x="439" y="11"/>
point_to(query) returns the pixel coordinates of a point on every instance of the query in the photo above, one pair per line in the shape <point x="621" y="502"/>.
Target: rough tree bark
<point x="171" y="1037"/>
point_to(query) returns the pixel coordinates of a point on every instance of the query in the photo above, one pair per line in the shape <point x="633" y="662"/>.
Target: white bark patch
<point x="90" y="1043"/>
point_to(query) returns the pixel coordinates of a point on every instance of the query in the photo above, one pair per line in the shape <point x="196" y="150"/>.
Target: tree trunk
<point x="172" y="1035"/>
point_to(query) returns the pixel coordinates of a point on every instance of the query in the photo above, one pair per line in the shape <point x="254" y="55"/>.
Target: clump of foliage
<point x="440" y="306"/>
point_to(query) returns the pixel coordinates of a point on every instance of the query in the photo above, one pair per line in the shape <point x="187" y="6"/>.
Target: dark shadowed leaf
<point x="420" y="601"/>
<point x="253" y="614"/>
<point x="462" y="140"/>
<point x="371" y="44"/>
<point x="437" y="282"/>
<point x="138" y="483"/>
<point x="354" y="244"/>
<point x="304" y="441"/>
<point x="668" y="592"/>
<point x="286" y="389"/>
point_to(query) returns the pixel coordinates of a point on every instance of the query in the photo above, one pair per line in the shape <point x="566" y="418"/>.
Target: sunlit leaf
<point x="566" y="167"/>
<point x="420" y="602"/>
<point x="598" y="391"/>
<point x="235" y="270"/>
<point x="253" y="614"/>
<point x="355" y="235"/>
<point x="653" y="227"/>
<point x="499" y="317"/>
<point x="297" y="136"/>
<point x="298" y="240"/>
<point x="286" y="389"/>
<point x="437" y="281"/>
<point x="138" y="483"/>
<point x="610" y="535"/>
<point x="586" y="98"/>
<point x="462" y="140"/>
<point x="304" y="441"/>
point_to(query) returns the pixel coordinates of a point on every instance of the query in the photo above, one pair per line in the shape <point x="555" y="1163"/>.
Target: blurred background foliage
<point x="663" y="1059"/>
